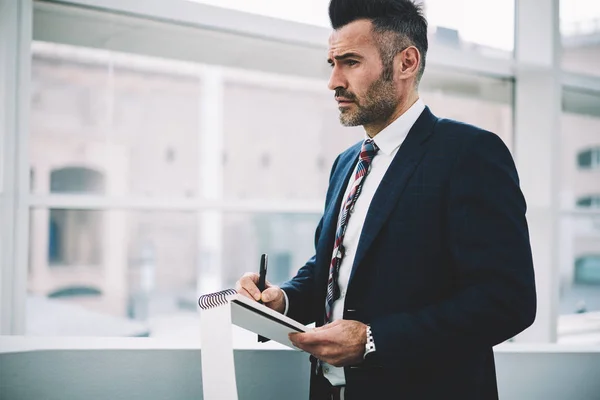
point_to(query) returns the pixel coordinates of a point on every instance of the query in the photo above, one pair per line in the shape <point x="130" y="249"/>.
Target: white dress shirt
<point x="388" y="141"/>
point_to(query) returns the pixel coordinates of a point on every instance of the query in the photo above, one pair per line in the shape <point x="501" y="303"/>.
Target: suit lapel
<point x="393" y="183"/>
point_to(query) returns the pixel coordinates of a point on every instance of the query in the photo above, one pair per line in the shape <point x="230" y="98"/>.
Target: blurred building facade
<point x="109" y="129"/>
<point x="118" y="130"/>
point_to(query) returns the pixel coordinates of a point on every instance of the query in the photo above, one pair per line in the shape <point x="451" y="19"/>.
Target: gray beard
<point x="380" y="104"/>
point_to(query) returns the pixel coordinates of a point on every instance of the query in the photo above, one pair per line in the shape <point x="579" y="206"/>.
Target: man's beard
<point x="378" y="105"/>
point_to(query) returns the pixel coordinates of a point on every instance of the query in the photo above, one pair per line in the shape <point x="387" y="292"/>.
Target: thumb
<point x="271" y="294"/>
<point x="329" y="325"/>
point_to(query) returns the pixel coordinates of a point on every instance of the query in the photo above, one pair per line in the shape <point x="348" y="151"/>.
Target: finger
<point x="312" y="338"/>
<point x="248" y="282"/>
<point x="271" y="294"/>
<point x="238" y="286"/>
<point x="245" y="293"/>
<point x="295" y="338"/>
<point x="329" y="326"/>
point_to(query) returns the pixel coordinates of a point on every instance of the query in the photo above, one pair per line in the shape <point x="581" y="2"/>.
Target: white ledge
<point x="16" y="344"/>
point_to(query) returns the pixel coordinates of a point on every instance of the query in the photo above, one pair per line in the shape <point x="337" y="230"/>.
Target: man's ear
<point x="407" y="63"/>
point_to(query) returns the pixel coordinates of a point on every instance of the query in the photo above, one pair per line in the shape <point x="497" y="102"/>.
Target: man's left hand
<point x="339" y="343"/>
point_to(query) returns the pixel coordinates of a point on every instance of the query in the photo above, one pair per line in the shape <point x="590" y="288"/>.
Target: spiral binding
<point x="216" y="299"/>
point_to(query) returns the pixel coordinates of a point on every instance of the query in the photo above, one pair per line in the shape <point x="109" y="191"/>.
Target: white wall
<point x="141" y="369"/>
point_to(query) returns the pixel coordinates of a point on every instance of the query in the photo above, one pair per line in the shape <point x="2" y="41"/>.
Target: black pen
<point x="262" y="281"/>
<point x="262" y="274"/>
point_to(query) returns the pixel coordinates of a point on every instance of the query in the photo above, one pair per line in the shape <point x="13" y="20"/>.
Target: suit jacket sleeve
<point x="488" y="241"/>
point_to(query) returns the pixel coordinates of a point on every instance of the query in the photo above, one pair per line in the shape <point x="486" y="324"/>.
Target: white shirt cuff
<point x="287" y="303"/>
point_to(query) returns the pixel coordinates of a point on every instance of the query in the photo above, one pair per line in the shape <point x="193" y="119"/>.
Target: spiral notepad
<point x="216" y="299"/>
<point x="218" y="312"/>
<point x="256" y="316"/>
<point x="212" y="300"/>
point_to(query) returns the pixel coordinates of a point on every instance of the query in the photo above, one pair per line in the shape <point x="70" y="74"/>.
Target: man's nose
<point x="337" y="79"/>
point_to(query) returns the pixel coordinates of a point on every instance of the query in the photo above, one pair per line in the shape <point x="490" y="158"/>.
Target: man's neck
<point x="373" y="129"/>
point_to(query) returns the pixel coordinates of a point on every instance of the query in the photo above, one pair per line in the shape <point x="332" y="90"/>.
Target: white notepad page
<point x="218" y="368"/>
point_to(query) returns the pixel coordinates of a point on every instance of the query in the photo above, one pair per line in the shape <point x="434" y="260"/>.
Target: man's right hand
<point x="271" y="297"/>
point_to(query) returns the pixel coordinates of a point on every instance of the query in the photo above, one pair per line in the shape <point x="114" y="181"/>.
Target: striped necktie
<point x="367" y="153"/>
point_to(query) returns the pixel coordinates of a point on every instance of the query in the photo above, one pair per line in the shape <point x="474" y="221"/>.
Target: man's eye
<point x="351" y="63"/>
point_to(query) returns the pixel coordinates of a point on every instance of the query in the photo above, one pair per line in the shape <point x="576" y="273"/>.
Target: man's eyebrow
<point x="344" y="56"/>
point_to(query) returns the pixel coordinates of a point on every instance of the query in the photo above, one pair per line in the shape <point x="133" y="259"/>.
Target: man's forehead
<point x="354" y="35"/>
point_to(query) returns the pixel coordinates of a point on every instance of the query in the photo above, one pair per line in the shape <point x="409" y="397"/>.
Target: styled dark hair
<point x="399" y="23"/>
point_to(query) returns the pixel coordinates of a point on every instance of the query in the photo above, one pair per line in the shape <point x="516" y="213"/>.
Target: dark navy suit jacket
<point x="443" y="269"/>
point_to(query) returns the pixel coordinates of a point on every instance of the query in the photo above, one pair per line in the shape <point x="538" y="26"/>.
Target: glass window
<point x="580" y="32"/>
<point x="113" y="123"/>
<point x="76" y="180"/>
<point x="287" y="238"/>
<point x="120" y="125"/>
<point x="280" y="143"/>
<point x="451" y="22"/>
<point x="4" y="101"/>
<point x="580" y="146"/>
<point x="479" y="100"/>
<point x="584" y="159"/>
<point x="491" y="33"/>
<point x="314" y="12"/>
<point x="290" y="156"/>
<point x="74" y="238"/>
<point x="150" y="267"/>
<point x="589" y="201"/>
<point x="579" y="262"/>
<point x="132" y="269"/>
<point x="579" y="232"/>
<point x="2" y="144"/>
<point x="589" y="159"/>
<point x="587" y="270"/>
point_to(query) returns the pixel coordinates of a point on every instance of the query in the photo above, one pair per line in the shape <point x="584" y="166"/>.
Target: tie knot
<point x="368" y="151"/>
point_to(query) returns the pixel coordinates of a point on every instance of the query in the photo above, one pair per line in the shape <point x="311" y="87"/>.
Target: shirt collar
<point x="392" y="136"/>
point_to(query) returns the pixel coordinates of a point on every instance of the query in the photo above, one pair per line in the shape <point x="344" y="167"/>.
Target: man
<point x="423" y="261"/>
